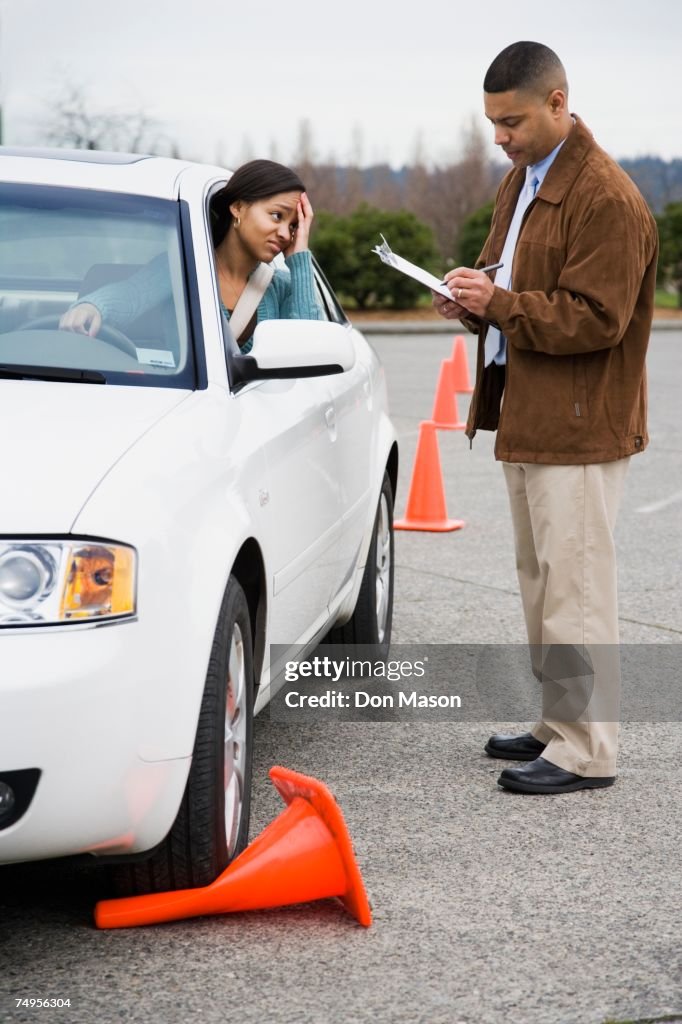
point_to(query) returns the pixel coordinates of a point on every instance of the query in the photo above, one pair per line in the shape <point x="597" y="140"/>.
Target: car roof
<point x="132" y="173"/>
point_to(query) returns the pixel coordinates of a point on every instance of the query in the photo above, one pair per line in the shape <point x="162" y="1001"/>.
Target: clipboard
<point x="391" y="259"/>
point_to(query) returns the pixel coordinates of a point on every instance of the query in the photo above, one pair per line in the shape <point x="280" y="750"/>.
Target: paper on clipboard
<point x="391" y="259"/>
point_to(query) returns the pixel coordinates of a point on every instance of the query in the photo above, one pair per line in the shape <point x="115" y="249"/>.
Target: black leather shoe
<point x="542" y="776"/>
<point x="514" y="748"/>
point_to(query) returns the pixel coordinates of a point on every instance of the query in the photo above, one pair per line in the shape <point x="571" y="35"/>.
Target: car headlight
<point x="51" y="582"/>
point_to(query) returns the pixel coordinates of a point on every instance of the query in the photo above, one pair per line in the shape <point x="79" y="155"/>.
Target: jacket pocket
<point x="581" y="408"/>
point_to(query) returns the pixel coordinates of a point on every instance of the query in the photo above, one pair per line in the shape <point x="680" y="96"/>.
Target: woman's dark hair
<point x="258" y="179"/>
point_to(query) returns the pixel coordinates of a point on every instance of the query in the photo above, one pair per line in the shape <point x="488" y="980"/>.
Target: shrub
<point x="473" y="234"/>
<point x="343" y="247"/>
<point x="670" y="257"/>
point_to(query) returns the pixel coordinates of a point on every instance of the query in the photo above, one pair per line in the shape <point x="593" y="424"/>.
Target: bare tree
<point x="441" y="196"/>
<point x="446" y="194"/>
<point x="354" y="184"/>
<point x="319" y="178"/>
<point x="304" y="155"/>
<point x="246" y="151"/>
<point x="74" y="122"/>
<point x="385" y="188"/>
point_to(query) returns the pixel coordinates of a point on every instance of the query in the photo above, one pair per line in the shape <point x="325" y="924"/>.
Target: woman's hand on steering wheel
<point x="107" y="333"/>
<point x="82" y="319"/>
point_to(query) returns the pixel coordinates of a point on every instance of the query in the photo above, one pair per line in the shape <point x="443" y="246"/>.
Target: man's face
<point x="527" y="127"/>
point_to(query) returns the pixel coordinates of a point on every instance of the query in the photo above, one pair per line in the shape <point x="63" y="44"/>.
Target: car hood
<point x="61" y="440"/>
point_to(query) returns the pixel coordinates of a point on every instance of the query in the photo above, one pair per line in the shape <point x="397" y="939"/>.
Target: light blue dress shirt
<point x="495" y="342"/>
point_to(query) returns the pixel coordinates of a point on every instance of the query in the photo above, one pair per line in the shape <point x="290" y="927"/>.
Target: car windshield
<point x="120" y="253"/>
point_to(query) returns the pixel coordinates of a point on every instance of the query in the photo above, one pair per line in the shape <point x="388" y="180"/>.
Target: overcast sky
<point x="222" y="77"/>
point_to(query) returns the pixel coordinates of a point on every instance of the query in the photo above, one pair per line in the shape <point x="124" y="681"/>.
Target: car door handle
<point x="330" y="418"/>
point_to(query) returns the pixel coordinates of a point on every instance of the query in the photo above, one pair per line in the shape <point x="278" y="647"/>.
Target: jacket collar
<point x="559" y="179"/>
<point x="563" y="171"/>
<point x="565" y="168"/>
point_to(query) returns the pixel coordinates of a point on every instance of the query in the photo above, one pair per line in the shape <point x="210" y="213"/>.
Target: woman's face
<point x="266" y="226"/>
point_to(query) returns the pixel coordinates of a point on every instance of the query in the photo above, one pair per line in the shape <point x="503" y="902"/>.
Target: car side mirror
<point x="294" y="348"/>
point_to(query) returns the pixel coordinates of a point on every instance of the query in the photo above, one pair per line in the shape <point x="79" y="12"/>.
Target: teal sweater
<point x="289" y="296"/>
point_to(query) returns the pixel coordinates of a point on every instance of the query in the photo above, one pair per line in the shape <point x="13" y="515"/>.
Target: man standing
<point x="563" y="332"/>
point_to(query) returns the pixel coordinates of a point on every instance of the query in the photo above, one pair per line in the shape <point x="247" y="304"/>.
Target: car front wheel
<point x="212" y="823"/>
<point x="372" y="619"/>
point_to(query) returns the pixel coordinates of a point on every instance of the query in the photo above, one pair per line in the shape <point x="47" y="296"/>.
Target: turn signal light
<point x="100" y="582"/>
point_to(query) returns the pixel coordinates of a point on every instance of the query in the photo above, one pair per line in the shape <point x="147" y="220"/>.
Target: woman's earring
<point x="237" y="221"/>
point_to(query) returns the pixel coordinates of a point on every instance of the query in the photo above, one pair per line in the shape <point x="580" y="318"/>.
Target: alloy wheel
<point x="235" y="738"/>
<point x="383" y="567"/>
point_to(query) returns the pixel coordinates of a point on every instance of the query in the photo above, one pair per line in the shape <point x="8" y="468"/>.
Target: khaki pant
<point x="563" y="518"/>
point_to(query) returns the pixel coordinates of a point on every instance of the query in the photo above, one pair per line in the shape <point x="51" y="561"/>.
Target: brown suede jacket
<point x="578" y="318"/>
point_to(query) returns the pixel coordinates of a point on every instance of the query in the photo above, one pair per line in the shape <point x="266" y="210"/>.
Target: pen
<point x="484" y="270"/>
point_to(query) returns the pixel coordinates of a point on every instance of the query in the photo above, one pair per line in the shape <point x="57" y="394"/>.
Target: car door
<point x="298" y="502"/>
<point x="353" y="429"/>
<point x="300" y="505"/>
<point x="296" y="509"/>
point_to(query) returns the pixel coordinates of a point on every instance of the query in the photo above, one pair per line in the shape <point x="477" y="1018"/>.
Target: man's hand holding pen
<point x="471" y="292"/>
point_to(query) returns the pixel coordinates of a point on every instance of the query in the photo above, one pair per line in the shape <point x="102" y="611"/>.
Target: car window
<point x="123" y="254"/>
<point x="326" y="299"/>
<point x="229" y="342"/>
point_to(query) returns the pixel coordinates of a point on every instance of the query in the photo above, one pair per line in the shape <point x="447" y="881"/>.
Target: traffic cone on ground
<point x="445" y="415"/>
<point x="460" y="366"/>
<point x="304" y="854"/>
<point x="426" y="499"/>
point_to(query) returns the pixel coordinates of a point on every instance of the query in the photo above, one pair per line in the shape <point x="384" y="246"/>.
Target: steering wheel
<point x="107" y="333"/>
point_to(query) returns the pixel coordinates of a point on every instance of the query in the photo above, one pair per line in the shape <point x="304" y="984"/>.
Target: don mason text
<point x="363" y="699"/>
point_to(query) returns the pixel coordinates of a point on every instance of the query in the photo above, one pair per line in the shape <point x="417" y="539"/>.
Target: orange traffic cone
<point x="426" y="499"/>
<point x="304" y="854"/>
<point x="460" y="366"/>
<point x="445" y="415"/>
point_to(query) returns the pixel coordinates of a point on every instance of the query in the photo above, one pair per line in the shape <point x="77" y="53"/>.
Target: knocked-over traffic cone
<point x="426" y="499"/>
<point x="304" y="854"/>
<point x="460" y="366"/>
<point x="445" y="415"/>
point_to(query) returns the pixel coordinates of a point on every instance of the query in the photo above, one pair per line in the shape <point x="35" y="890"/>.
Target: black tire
<point x="372" y="619"/>
<point x="202" y="842"/>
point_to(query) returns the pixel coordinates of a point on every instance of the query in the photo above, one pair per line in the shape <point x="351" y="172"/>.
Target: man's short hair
<point x="529" y="66"/>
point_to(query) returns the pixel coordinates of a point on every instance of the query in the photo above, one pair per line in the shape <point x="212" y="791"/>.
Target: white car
<point x="171" y="508"/>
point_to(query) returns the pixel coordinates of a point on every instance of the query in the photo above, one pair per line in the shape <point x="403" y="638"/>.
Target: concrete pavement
<point x="490" y="907"/>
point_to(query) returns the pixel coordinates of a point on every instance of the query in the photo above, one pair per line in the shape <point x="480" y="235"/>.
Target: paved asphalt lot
<point x="490" y="907"/>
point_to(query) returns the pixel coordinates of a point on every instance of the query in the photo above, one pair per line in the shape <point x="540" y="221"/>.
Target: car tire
<point x="212" y="823"/>
<point x="372" y="620"/>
